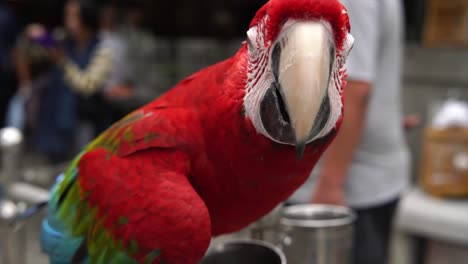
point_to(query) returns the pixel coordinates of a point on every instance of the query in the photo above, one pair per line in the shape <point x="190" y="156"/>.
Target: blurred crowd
<point x="63" y="86"/>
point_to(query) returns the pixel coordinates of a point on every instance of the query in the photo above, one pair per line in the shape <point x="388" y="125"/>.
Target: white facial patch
<point x="260" y="75"/>
<point x="335" y="88"/>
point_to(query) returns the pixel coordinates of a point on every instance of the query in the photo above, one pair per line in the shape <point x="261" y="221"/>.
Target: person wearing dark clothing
<point x="81" y="68"/>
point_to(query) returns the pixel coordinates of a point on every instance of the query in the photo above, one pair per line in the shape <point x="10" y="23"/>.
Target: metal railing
<point x="16" y="195"/>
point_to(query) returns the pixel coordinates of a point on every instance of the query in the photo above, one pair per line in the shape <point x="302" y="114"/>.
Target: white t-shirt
<point x="380" y="168"/>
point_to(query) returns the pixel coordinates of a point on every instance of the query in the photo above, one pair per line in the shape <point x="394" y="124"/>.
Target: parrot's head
<point x="296" y="53"/>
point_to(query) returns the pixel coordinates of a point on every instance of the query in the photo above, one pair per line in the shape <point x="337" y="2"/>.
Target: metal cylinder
<point x="265" y="228"/>
<point x="10" y="147"/>
<point x="317" y="234"/>
<point x="244" y="252"/>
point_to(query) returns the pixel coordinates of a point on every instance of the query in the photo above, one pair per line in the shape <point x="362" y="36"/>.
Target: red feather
<point x="279" y="11"/>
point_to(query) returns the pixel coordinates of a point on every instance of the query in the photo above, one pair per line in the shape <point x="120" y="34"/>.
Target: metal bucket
<point x="244" y="252"/>
<point x="317" y="234"/>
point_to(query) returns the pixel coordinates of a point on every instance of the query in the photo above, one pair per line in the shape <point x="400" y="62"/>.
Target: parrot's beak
<point x="304" y="73"/>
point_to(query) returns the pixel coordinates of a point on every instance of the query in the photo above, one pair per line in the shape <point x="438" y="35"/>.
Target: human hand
<point x="34" y="31"/>
<point x="57" y="55"/>
<point x="328" y="193"/>
<point x="25" y="90"/>
<point x="119" y="92"/>
<point x="411" y="121"/>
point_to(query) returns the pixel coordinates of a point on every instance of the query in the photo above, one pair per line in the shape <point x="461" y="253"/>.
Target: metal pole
<point x="14" y="243"/>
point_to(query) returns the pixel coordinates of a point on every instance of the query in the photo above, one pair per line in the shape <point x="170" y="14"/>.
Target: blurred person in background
<point x="32" y="66"/>
<point x="74" y="96"/>
<point x="367" y="166"/>
<point x="115" y="88"/>
<point x="142" y="79"/>
<point x="118" y="91"/>
<point x="8" y="34"/>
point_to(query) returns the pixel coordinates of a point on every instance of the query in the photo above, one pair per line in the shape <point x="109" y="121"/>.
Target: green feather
<point x="133" y="247"/>
<point x="103" y="256"/>
<point x="123" y="220"/>
<point x="82" y="220"/>
<point x="152" y="256"/>
<point x="128" y="135"/>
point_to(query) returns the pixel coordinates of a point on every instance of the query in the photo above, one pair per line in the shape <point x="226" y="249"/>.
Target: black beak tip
<point x="300" y="147"/>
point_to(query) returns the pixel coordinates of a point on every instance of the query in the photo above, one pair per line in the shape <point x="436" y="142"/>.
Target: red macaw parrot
<point x="212" y="155"/>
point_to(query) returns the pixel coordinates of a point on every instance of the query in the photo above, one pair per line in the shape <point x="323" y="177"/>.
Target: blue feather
<point x="55" y="241"/>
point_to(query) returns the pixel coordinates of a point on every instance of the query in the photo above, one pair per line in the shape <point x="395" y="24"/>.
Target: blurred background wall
<point x="436" y="59"/>
<point x="194" y="34"/>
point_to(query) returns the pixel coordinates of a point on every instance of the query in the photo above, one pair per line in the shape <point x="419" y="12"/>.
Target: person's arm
<point x="22" y="72"/>
<point x="338" y="157"/>
<point x="85" y="81"/>
<point x="23" y="52"/>
<point x="22" y="67"/>
<point x="89" y="80"/>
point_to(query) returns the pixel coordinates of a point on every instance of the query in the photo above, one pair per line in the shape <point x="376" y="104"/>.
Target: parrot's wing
<point x="131" y="197"/>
